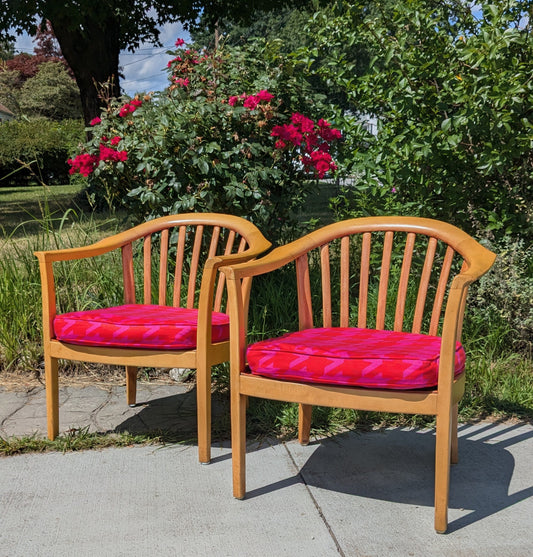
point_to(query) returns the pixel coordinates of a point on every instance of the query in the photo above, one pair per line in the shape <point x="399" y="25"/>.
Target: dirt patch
<point x="82" y="374"/>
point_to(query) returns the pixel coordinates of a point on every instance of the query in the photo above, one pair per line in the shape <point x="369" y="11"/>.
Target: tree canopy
<point x="92" y="33"/>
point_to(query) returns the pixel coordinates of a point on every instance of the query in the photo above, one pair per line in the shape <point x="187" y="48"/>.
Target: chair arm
<point x="276" y="259"/>
<point x="98" y="248"/>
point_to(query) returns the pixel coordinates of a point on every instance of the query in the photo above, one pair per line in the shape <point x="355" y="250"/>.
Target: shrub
<point x="451" y="90"/>
<point x="39" y="148"/>
<point x="501" y="302"/>
<point x="228" y="135"/>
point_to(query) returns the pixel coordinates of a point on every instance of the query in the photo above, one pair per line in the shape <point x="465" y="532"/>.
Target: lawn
<point x="22" y="208"/>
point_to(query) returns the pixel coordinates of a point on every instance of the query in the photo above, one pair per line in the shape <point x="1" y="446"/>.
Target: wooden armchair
<point x="176" y="259"/>
<point x="368" y="280"/>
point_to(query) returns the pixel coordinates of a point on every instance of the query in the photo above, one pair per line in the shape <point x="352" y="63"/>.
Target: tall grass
<point x="20" y="285"/>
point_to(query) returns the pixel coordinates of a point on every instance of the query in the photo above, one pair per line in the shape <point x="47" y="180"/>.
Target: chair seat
<point x="354" y="357"/>
<point x="137" y="326"/>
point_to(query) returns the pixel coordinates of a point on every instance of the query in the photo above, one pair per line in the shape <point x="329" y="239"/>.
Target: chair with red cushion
<point x="380" y="304"/>
<point x="174" y="259"/>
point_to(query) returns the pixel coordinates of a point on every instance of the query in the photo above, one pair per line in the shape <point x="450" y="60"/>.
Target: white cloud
<point x="144" y="70"/>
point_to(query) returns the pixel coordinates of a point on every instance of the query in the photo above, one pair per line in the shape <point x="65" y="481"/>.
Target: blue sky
<point x="144" y="69"/>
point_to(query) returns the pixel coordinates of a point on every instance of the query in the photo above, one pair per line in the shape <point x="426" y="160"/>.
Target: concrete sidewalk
<point x="368" y="494"/>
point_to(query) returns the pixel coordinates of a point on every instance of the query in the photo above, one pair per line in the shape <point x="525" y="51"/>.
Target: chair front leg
<point x="52" y="396"/>
<point x="131" y="385"/>
<point x="238" y="443"/>
<point x="304" y="423"/>
<point x="442" y="470"/>
<point x="203" y="406"/>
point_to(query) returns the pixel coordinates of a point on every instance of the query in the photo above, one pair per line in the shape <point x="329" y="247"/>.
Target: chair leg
<point x="442" y="470"/>
<point x="238" y="444"/>
<point x="131" y="385"/>
<point x="454" y="457"/>
<point x="203" y="406"/>
<point x="52" y="396"/>
<point x="304" y="423"/>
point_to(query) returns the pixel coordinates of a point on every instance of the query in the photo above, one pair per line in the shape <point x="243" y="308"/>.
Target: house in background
<point x="5" y="114"/>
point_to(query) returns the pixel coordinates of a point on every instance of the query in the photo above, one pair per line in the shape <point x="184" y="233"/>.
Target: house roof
<point x="5" y="110"/>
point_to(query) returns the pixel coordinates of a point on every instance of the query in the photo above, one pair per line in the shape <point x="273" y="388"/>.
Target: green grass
<point x="75" y="440"/>
<point x="23" y="208"/>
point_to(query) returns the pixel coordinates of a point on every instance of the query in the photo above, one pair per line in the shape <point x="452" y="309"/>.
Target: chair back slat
<point x="228" y="248"/>
<point x="128" y="275"/>
<point x="163" y="266"/>
<point x="384" y="280"/>
<point x="363" y="280"/>
<point x="305" y="308"/>
<point x="345" y="282"/>
<point x="147" y="269"/>
<point x="463" y="304"/>
<point x="423" y="286"/>
<point x="196" y="251"/>
<point x="404" y="281"/>
<point x="326" y="285"/>
<point x="213" y="244"/>
<point x="178" y="273"/>
<point x="441" y="291"/>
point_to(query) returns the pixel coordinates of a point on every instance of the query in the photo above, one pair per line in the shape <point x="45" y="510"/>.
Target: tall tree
<point x="51" y="93"/>
<point x="92" y="33"/>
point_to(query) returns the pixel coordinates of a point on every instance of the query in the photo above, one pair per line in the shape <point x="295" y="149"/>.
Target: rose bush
<point x="236" y="131"/>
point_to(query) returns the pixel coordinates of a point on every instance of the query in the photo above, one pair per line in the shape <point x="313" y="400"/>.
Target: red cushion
<point x="137" y="326"/>
<point x="351" y="356"/>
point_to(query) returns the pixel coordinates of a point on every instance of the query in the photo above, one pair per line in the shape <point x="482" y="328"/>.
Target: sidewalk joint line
<point x="315" y="503"/>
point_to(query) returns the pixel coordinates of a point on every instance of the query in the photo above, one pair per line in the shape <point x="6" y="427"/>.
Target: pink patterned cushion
<point x="351" y="356"/>
<point x="137" y="326"/>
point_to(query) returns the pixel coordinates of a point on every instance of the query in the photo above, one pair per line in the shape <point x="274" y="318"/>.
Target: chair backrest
<point x="381" y="272"/>
<point x="163" y="260"/>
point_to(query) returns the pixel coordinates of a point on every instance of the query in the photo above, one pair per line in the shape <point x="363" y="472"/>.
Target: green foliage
<point x="52" y="93"/>
<point x="501" y="302"/>
<point x="286" y="24"/>
<point x="37" y="149"/>
<point x="452" y="94"/>
<point x="197" y="146"/>
<point x="9" y="90"/>
<point x="7" y="50"/>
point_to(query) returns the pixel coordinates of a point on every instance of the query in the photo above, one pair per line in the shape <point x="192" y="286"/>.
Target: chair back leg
<point x="454" y="458"/>
<point x="131" y="385"/>
<point x="304" y="423"/>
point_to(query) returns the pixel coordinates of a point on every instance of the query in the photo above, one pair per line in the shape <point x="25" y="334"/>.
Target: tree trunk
<point x="92" y="52"/>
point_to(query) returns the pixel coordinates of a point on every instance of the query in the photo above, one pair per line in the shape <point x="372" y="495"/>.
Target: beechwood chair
<point x="174" y="259"/>
<point x="403" y="356"/>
